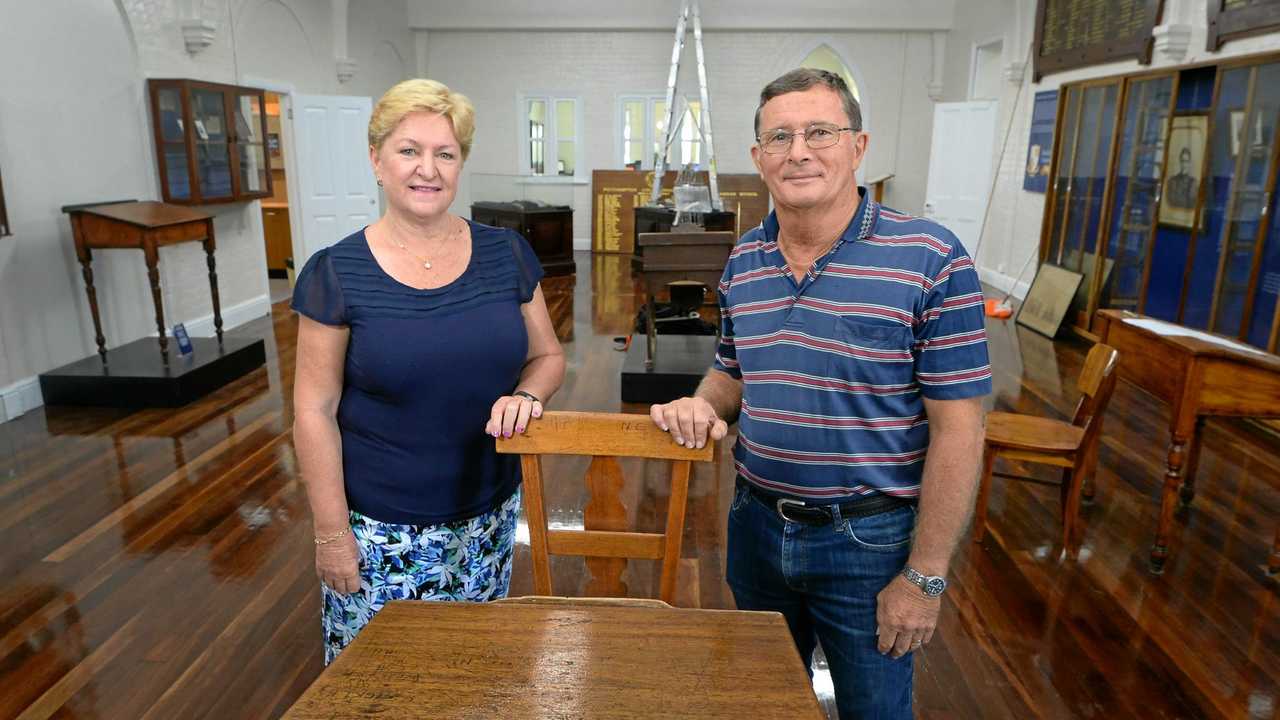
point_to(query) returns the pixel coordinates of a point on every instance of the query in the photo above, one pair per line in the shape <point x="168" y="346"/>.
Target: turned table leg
<point x="153" y="274"/>
<point x="651" y="332"/>
<point x="86" y="269"/>
<point x="1182" y="438"/>
<point x="1188" y="491"/>
<point x="209" y="246"/>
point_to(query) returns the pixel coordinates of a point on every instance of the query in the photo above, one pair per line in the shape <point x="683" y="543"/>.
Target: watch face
<point x="934" y="586"/>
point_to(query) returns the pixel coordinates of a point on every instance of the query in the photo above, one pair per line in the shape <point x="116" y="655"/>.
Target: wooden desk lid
<point x="1196" y="342"/>
<point x="147" y="214"/>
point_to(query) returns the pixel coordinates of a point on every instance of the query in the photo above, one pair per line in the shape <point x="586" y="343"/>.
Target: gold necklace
<point x="425" y="262"/>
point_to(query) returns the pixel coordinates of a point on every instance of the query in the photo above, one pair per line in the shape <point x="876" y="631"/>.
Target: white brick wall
<point x="494" y="67"/>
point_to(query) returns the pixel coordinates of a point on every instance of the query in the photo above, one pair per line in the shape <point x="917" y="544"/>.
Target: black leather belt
<point x="807" y="514"/>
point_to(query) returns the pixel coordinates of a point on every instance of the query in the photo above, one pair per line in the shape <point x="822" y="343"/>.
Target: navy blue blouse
<point x="423" y="369"/>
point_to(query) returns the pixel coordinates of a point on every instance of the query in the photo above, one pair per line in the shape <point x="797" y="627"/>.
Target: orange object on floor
<point x="998" y="309"/>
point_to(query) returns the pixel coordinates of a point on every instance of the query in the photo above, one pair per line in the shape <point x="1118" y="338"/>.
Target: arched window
<point x="824" y="58"/>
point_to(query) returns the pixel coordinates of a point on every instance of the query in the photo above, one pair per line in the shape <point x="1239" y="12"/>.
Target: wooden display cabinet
<point x="210" y="142"/>
<point x="548" y="228"/>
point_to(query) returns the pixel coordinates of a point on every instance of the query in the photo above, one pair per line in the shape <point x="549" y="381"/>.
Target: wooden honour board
<point x="1077" y="33"/>
<point x="615" y="194"/>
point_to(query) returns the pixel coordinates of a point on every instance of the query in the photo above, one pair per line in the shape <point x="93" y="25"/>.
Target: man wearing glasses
<point x="854" y="357"/>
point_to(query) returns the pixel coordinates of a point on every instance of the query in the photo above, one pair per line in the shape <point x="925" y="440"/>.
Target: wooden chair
<point x="1072" y="446"/>
<point x="604" y="437"/>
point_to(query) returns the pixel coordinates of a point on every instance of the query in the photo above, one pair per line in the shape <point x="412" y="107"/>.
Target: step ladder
<point x="688" y="9"/>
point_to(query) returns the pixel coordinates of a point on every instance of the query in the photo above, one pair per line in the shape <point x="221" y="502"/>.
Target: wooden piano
<point x="1198" y="374"/>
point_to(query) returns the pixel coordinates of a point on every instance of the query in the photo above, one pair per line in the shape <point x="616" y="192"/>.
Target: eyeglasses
<point x="776" y="142"/>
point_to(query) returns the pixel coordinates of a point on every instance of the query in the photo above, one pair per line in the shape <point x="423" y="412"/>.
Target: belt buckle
<point x="783" y="502"/>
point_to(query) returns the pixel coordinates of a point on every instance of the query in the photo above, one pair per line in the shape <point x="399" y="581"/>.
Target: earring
<point x="379" y="182"/>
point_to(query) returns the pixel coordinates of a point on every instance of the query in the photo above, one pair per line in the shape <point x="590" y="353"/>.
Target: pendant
<point x="426" y="265"/>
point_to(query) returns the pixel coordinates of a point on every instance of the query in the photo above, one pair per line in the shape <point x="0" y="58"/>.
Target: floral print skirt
<point x="466" y="560"/>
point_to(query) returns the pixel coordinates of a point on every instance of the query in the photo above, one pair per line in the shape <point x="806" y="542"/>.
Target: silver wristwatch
<point x="931" y="585"/>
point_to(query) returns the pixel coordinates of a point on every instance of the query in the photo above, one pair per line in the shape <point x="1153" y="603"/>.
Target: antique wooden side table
<point x="146" y="226"/>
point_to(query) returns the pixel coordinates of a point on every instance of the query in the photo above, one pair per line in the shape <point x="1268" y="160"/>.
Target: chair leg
<point x="984" y="488"/>
<point x="1273" y="565"/>
<point x="1071" y="524"/>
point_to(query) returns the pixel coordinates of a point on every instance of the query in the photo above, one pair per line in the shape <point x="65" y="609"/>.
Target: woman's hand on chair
<point x="510" y="415"/>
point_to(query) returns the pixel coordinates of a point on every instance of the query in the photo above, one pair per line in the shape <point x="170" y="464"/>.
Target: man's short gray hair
<point x="802" y="79"/>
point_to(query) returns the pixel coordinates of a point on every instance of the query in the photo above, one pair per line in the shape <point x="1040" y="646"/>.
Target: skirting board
<point x="233" y="316"/>
<point x="582" y="243"/>
<point x="1003" y="283"/>
<point x="24" y="394"/>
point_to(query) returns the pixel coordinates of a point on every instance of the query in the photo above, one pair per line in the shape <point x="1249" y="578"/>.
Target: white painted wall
<point x="75" y="127"/>
<point x="494" y="67"/>
<point x="718" y="15"/>
<point x="1012" y="233"/>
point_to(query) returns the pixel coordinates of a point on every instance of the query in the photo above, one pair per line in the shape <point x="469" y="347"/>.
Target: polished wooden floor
<point x="157" y="564"/>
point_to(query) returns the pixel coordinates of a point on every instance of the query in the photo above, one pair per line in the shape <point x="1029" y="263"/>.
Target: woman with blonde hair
<point x="422" y="337"/>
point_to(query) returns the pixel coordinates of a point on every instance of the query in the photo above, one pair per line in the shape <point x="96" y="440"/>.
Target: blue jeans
<point x="824" y="580"/>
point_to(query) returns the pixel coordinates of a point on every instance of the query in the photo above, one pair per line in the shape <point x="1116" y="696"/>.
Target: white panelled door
<point x="337" y="193"/>
<point x="960" y="167"/>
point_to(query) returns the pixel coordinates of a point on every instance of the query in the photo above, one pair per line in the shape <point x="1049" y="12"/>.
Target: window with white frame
<point x="549" y="136"/>
<point x="642" y="131"/>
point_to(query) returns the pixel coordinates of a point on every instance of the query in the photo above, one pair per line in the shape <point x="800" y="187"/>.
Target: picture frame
<point x="1184" y="167"/>
<point x="1047" y="301"/>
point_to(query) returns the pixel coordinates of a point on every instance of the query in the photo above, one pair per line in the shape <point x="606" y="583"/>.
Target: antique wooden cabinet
<point x="548" y="228"/>
<point x="210" y="142"/>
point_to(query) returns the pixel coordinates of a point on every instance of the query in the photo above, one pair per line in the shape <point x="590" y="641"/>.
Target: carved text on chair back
<point x="605" y="542"/>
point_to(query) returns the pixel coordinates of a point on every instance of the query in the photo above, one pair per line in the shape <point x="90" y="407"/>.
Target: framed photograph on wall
<point x="1188" y="136"/>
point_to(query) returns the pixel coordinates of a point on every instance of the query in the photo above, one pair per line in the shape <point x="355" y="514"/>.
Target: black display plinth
<point x="679" y="365"/>
<point x="135" y="376"/>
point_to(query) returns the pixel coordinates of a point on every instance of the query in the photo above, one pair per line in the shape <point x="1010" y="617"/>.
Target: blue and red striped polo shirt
<point x="835" y="368"/>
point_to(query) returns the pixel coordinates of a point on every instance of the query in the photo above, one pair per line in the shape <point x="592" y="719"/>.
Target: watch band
<point x="523" y="394"/>
<point x="931" y="585"/>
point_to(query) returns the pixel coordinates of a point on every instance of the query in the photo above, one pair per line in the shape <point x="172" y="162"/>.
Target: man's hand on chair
<point x="689" y="420"/>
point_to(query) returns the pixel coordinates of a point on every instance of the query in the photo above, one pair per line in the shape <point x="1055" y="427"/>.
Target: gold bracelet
<point x="330" y="538"/>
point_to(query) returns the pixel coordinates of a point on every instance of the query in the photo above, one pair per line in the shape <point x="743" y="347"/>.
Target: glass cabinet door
<point x="173" y="142"/>
<point x="1063" y="174"/>
<point x="212" y="142"/>
<point x="1082" y="169"/>
<point x="251" y="147"/>
<point x="1243" y="158"/>
<point x="1139" y="170"/>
